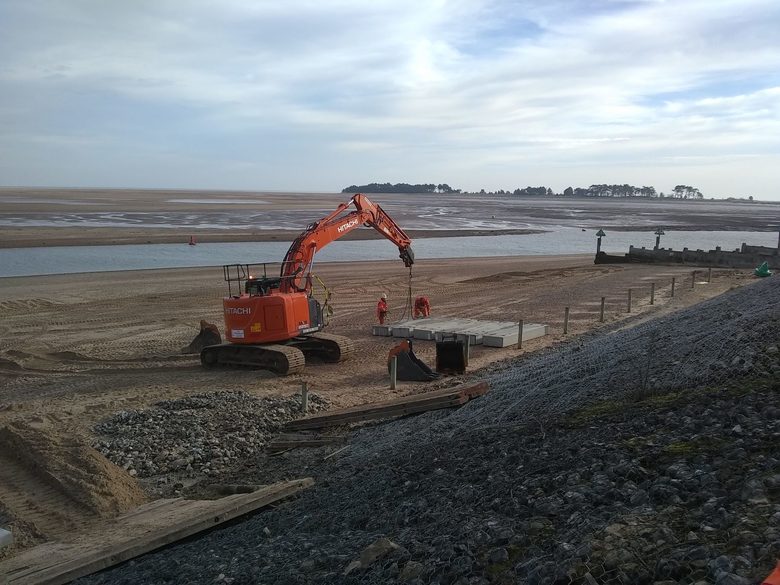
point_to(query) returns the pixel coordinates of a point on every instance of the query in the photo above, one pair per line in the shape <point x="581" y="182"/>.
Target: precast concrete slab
<point x="473" y="338"/>
<point x="489" y="333"/>
<point x="462" y="327"/>
<point x="429" y="331"/>
<point x="476" y="330"/>
<point x="403" y="331"/>
<point x="507" y="337"/>
<point x="402" y="328"/>
<point x="381" y="330"/>
<point x="424" y="328"/>
<point x="415" y="327"/>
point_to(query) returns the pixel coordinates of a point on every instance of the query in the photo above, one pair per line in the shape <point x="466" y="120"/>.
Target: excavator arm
<point x="298" y="260"/>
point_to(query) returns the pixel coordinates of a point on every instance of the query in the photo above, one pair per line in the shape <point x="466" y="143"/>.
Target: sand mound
<point x="53" y="486"/>
<point x="71" y="466"/>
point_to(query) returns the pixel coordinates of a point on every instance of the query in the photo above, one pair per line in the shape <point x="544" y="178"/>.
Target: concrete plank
<point x="508" y="337"/>
<point x="431" y="330"/>
<point x="488" y="333"/>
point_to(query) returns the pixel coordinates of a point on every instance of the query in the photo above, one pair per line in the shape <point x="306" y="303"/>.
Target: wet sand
<point x="57" y="217"/>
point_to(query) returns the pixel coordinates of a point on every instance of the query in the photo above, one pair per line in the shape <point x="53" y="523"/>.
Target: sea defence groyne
<point x="744" y="257"/>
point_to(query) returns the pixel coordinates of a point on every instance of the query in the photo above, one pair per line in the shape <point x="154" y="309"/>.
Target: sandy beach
<point x="77" y="349"/>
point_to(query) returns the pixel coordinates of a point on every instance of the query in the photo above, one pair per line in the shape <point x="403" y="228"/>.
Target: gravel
<point x="643" y="455"/>
<point x="195" y="436"/>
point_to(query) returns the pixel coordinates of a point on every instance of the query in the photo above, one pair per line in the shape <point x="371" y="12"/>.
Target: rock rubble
<point x="204" y="434"/>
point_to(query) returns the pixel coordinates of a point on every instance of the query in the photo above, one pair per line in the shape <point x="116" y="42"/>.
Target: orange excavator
<point x="274" y="323"/>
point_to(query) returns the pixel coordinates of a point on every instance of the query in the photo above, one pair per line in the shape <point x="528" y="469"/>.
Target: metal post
<point x="673" y="281"/>
<point x="601" y="312"/>
<point x="304" y="397"/>
<point x="652" y="293"/>
<point x="629" y="300"/>
<point x="693" y="280"/>
<point x="709" y="274"/>
<point x="520" y="335"/>
<point x="393" y="372"/>
<point x="566" y="321"/>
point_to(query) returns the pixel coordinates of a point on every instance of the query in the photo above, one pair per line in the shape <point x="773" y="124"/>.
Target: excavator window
<point x="261" y="286"/>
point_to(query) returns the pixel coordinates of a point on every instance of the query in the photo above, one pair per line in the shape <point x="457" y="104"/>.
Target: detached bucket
<point x="451" y="357"/>
<point x="409" y="368"/>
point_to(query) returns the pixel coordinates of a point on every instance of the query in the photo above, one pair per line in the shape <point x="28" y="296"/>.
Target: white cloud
<point x="489" y="93"/>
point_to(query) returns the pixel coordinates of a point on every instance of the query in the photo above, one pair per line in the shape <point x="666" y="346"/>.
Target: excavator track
<point x="326" y="347"/>
<point x="280" y="359"/>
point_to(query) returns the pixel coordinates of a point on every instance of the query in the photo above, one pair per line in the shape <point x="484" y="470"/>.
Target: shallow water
<point x="563" y="240"/>
<point x="413" y="212"/>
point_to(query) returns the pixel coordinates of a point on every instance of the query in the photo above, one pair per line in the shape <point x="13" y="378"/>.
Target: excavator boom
<point x="298" y="260"/>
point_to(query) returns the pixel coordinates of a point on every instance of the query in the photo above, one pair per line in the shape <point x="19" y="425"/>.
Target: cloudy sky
<point x="319" y="94"/>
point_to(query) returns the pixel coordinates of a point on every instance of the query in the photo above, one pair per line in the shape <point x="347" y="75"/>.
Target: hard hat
<point x="384" y="296"/>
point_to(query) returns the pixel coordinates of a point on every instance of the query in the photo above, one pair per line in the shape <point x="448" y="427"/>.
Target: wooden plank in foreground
<point x="414" y="404"/>
<point x="145" y="529"/>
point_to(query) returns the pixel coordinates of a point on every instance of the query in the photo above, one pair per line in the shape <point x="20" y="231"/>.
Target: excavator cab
<point x="261" y="286"/>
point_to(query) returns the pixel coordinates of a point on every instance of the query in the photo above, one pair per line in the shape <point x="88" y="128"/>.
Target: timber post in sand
<point x="629" y="300"/>
<point x="652" y="293"/>
<point x="393" y="372"/>
<point x="601" y="312"/>
<point x="520" y="335"/>
<point x="693" y="280"/>
<point x="673" y="281"/>
<point x="304" y="397"/>
<point x="709" y="275"/>
<point x="566" y="321"/>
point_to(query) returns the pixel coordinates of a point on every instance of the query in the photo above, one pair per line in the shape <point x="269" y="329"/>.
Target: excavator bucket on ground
<point x="409" y="368"/>
<point x="209" y="335"/>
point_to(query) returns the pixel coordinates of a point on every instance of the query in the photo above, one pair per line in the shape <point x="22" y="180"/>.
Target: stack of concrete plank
<point x="413" y="404"/>
<point x="488" y="333"/>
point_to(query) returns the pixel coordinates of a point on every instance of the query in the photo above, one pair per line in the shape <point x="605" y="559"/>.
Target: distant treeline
<point x="679" y="192"/>
<point x="400" y="188"/>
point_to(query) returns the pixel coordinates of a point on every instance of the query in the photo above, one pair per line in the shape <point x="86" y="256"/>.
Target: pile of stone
<point x="200" y="434"/>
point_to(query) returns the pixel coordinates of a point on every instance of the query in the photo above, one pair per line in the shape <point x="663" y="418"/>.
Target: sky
<point x="316" y="95"/>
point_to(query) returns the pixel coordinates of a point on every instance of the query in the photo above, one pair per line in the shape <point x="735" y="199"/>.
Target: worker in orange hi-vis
<point x="774" y="577"/>
<point x="422" y="307"/>
<point x="381" y="309"/>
